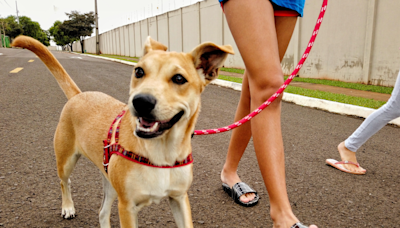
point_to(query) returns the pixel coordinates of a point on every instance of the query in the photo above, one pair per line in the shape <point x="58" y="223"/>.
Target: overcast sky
<point x="112" y="13"/>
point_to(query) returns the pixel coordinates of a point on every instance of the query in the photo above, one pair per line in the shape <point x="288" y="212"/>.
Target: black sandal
<point x="239" y="189"/>
<point x="298" y="225"/>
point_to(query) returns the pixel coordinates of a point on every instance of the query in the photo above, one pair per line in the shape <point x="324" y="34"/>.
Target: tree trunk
<point x="70" y="45"/>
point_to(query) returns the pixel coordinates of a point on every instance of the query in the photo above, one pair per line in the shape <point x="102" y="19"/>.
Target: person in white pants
<point x="372" y="124"/>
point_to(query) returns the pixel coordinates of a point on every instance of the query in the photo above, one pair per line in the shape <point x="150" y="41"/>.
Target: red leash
<point x="280" y="90"/>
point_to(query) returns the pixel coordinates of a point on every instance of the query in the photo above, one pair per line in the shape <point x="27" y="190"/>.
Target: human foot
<point x="349" y="162"/>
<point x="239" y="189"/>
<point x="348" y="155"/>
<point x="299" y="225"/>
<point x="295" y="225"/>
<point x="287" y="219"/>
<point x="231" y="179"/>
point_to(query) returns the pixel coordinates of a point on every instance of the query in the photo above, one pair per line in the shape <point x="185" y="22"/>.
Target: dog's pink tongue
<point x="146" y="123"/>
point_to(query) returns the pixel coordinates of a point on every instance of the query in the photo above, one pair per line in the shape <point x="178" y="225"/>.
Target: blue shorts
<point x="284" y="5"/>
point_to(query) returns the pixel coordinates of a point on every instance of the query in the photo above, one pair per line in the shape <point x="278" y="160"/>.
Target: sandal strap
<point x="348" y="163"/>
<point x="298" y="225"/>
<point x="242" y="188"/>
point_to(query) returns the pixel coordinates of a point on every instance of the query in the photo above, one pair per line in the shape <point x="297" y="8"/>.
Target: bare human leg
<point x="262" y="41"/>
<point x="241" y="136"/>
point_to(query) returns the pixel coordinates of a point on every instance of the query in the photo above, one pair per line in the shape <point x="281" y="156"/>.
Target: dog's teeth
<point x="154" y="128"/>
<point x="151" y="129"/>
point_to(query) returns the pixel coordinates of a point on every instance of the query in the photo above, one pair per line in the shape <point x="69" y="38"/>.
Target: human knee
<point x="263" y="90"/>
<point x="392" y="108"/>
<point x="395" y="113"/>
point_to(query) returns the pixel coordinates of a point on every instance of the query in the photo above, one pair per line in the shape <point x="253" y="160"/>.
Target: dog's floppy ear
<point x="208" y="58"/>
<point x="151" y="45"/>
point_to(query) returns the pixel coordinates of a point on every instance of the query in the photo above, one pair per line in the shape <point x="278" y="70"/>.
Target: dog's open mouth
<point x="149" y="128"/>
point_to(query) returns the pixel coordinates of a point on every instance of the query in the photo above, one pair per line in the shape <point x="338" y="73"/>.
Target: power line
<point x="8" y="4"/>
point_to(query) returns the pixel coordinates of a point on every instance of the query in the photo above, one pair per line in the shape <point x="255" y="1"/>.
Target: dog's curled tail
<point x="66" y="83"/>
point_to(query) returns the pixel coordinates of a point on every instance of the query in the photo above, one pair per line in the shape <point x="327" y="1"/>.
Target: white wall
<point x="211" y="22"/>
<point x="163" y="29"/>
<point x="175" y="30"/>
<point x="144" y="30"/>
<point x="153" y="30"/>
<point x="138" y="40"/>
<point x="358" y="40"/>
<point x="191" y="27"/>
<point x="132" y="50"/>
<point x="121" y="39"/>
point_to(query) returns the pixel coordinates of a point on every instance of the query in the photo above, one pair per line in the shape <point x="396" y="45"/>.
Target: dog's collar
<point x="110" y="149"/>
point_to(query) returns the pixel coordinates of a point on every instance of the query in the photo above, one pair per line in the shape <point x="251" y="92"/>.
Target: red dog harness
<point x="110" y="149"/>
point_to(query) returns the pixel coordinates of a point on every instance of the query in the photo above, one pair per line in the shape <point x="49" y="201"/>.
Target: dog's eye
<point x="179" y="79"/>
<point x="139" y="72"/>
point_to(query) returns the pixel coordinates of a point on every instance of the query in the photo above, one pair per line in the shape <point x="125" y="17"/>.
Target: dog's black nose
<point x="144" y="104"/>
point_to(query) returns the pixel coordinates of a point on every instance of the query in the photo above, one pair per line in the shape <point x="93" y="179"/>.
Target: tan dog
<point x="164" y="103"/>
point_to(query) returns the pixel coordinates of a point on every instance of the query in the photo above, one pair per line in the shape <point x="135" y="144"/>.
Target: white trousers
<point x="376" y="121"/>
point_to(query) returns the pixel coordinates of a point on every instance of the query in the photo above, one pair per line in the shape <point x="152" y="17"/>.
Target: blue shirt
<point x="296" y="5"/>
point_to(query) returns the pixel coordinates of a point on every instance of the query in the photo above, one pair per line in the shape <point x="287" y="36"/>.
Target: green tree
<point x="32" y="29"/>
<point x="11" y="26"/>
<point x="60" y="35"/>
<point x="79" y="25"/>
<point x="26" y="27"/>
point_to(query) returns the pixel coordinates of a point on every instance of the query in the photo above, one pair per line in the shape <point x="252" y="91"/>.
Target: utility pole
<point x="1" y="43"/>
<point x="97" y="29"/>
<point x="16" y="7"/>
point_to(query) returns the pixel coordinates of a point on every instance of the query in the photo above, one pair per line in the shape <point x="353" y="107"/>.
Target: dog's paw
<point x="68" y="213"/>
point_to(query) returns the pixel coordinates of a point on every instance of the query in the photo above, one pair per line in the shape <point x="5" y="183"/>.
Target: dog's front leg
<point x="127" y="214"/>
<point x="109" y="197"/>
<point x="181" y="209"/>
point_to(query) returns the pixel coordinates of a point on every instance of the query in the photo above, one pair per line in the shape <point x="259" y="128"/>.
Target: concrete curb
<point x="106" y="58"/>
<point x="329" y="106"/>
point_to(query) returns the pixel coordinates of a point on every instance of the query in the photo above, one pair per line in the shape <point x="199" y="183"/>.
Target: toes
<point x="247" y="197"/>
<point x="68" y="213"/>
<point x="244" y="199"/>
<point x="251" y="196"/>
<point x="352" y="168"/>
<point x="360" y="170"/>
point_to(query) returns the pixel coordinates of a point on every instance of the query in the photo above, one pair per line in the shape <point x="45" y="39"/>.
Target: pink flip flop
<point x="339" y="165"/>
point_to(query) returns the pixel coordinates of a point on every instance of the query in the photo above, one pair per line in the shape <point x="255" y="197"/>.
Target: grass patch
<point x="348" y="85"/>
<point x="232" y="70"/>
<point x="231" y="79"/>
<point x="357" y="86"/>
<point x="120" y="57"/>
<point x="359" y="101"/>
<point x="129" y="60"/>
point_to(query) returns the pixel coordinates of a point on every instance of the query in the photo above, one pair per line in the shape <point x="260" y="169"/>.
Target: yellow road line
<point x="16" y="70"/>
<point x="31" y="61"/>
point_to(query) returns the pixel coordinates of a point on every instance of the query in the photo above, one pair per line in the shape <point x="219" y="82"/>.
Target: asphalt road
<point x="30" y="195"/>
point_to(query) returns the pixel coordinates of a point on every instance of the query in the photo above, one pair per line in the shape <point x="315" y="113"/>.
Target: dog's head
<point x="166" y="86"/>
